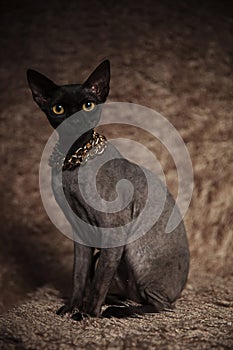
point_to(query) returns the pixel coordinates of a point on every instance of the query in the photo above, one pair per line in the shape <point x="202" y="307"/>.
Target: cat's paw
<point x="67" y="308"/>
<point x="79" y="316"/>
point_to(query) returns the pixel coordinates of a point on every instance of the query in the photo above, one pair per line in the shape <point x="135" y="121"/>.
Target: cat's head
<point x="60" y="102"/>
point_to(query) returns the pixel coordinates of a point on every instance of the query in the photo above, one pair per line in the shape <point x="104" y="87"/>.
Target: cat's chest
<point x="85" y="185"/>
<point x="105" y="184"/>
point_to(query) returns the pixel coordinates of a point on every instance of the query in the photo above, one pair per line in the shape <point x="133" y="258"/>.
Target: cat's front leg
<point x="82" y="270"/>
<point x="108" y="262"/>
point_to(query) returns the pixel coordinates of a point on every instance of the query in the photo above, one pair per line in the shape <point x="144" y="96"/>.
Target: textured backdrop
<point x="174" y="57"/>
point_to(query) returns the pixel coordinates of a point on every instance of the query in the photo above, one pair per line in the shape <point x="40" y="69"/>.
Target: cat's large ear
<point x="42" y="87"/>
<point x="98" y="81"/>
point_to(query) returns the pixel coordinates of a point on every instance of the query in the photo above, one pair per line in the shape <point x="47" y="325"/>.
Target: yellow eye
<point x="58" y="109"/>
<point x="88" y="106"/>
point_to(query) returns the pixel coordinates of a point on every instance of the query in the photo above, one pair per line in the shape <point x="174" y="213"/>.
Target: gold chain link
<point x="95" y="146"/>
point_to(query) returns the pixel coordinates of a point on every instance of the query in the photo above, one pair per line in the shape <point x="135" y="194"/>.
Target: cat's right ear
<point x="42" y="87"/>
<point x="98" y="81"/>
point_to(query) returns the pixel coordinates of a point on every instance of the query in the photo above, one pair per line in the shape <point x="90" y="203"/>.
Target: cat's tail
<point x="134" y="311"/>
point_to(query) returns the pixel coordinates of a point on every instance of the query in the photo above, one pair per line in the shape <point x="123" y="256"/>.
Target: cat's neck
<point x="79" y="143"/>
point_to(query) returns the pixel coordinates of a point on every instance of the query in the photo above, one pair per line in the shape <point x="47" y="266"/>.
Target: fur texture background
<point x="174" y="57"/>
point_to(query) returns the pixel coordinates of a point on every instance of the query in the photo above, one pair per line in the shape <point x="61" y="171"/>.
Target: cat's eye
<point x="58" y="109"/>
<point x="88" y="106"/>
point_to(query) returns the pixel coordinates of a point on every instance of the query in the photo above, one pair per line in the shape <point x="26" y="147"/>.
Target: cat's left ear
<point x="99" y="80"/>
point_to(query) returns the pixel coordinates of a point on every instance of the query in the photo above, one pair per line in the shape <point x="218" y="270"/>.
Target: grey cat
<point x="133" y="262"/>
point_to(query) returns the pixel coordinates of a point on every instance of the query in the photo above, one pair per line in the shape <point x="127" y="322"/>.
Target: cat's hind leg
<point x="158" y="299"/>
<point x="155" y="300"/>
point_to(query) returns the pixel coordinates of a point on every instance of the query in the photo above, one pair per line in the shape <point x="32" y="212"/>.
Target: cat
<point x="150" y="270"/>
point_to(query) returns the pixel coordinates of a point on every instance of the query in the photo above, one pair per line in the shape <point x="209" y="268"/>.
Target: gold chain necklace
<point x="95" y="146"/>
